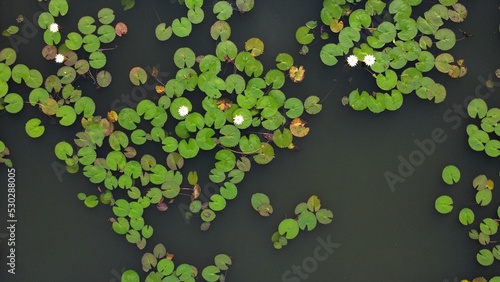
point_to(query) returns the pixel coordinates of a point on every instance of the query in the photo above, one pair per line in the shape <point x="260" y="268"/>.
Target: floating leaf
<point x="289" y="228"/>
<point x="13" y="103"/>
<point x="106" y="16"/>
<point x="138" y="76"/>
<point x="255" y="46"/>
<point x="444" y="204"/>
<point x="446" y="39"/>
<point x="58" y="7"/>
<point x="223" y="10"/>
<point x="181" y="27"/>
<point x="485" y="257"/>
<point x="34" y="128"/>
<point x="297" y="73"/>
<point x="477" y="108"/>
<point x="163" y="32"/>
<point x="466" y="216"/>
<point x="86" y="25"/>
<point x="451" y="174"/>
<point x="121" y="29"/>
<point x="303" y="35"/>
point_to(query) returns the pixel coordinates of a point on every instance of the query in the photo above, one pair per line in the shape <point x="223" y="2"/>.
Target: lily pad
<point x="103" y="78"/>
<point x="444" y="204"/>
<point x="138" y="76"/>
<point x="34" y="128"/>
<point x="223" y="10"/>
<point x="451" y="174"/>
<point x="163" y="32"/>
<point x="289" y="228"/>
<point x="181" y="27"/>
<point x="303" y="35"/>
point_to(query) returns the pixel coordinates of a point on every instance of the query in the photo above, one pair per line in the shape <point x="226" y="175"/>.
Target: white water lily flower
<point x="59" y="58"/>
<point x="54" y="27"/>
<point x="369" y="60"/>
<point x="238" y="119"/>
<point x="352" y="60"/>
<point x="183" y="111"/>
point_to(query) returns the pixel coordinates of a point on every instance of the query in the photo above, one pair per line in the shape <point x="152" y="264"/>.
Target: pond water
<point x="379" y="232"/>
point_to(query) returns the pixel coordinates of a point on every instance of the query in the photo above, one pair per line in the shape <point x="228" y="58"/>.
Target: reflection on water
<point x="382" y="231"/>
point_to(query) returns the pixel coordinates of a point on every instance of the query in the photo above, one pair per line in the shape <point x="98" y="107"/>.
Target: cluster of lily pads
<point x="167" y="271"/>
<point x="308" y="215"/>
<point x="482" y="138"/>
<point x="398" y="47"/>
<point x="488" y="227"/>
<point x="242" y="115"/>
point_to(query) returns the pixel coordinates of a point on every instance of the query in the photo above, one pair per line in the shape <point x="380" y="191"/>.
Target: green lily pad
<point x="128" y="118"/>
<point x="443" y="61"/>
<point x="451" y="174"/>
<point x="284" y="61"/>
<point x="188" y="149"/>
<point x="446" y="39"/>
<point x="466" y="216"/>
<point x="58" y="7"/>
<point x="163" y="32"/>
<point x="45" y="19"/>
<point x="444" y="204"/>
<point x="230" y="135"/>
<point x="106" y="33"/>
<point x="195" y="15"/>
<point x="67" y="115"/>
<point x="13" y="103"/>
<point x="74" y="41"/>
<point x="220" y="30"/>
<point x="34" y="128"/>
<point x="138" y="76"/>
<point x="295" y="107"/>
<point x="97" y="60"/>
<point x="477" y="108"/>
<point x="492" y="148"/>
<point x="226" y="50"/>
<point x="329" y="53"/>
<point x="34" y="80"/>
<point x="91" y="43"/>
<point x="303" y="35"/>
<point x="184" y="57"/>
<point x="388" y="81"/>
<point x="86" y="106"/>
<point x="485" y="257"/>
<point x="67" y="74"/>
<point x="359" y="19"/>
<point x="86" y="25"/>
<point x="223" y="10"/>
<point x="484" y="197"/>
<point x="181" y="27"/>
<point x="106" y="16"/>
<point x="289" y="228"/>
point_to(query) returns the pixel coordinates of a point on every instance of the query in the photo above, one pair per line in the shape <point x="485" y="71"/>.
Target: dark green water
<point x="379" y="233"/>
